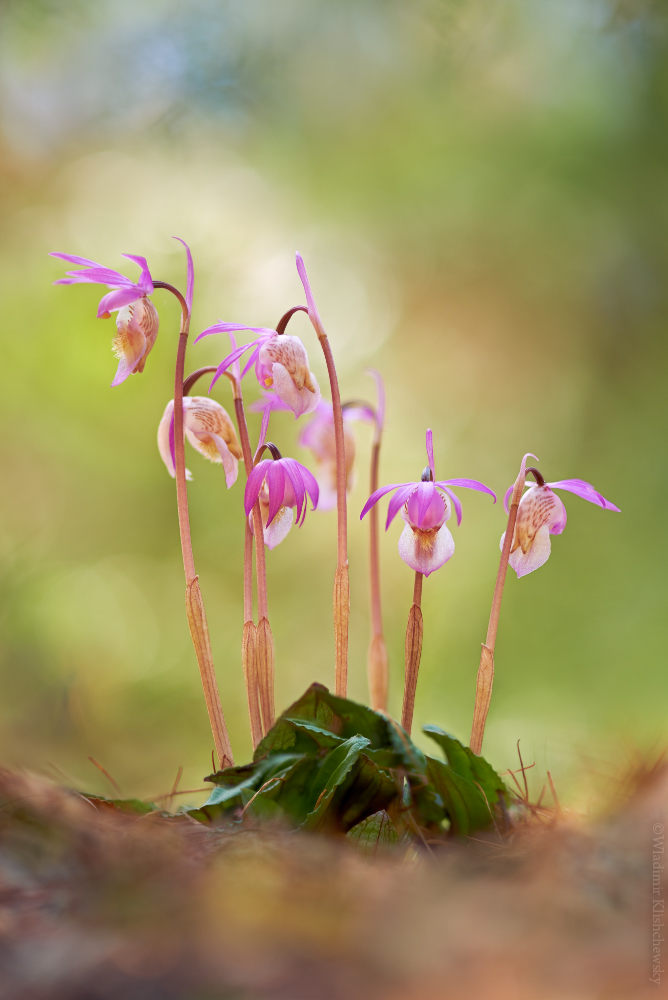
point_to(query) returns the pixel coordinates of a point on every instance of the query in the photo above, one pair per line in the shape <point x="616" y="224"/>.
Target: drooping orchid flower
<point x="280" y="362"/>
<point x="541" y="513"/>
<point x="425" y="543"/>
<point x="318" y="436"/>
<point x="209" y="429"/>
<point x="279" y="484"/>
<point x="137" y="321"/>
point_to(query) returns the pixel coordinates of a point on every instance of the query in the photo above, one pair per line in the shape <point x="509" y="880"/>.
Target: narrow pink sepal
<point x="72" y="259"/>
<point x="190" y="279"/>
<point x="585" y="490"/>
<point x="469" y="484"/>
<point x="506" y="499"/>
<point x="456" y="502"/>
<point x="226" y="362"/>
<point x="275" y="477"/>
<point x="116" y="299"/>
<point x="251" y="361"/>
<point x="297" y="483"/>
<point x="430" y="452"/>
<point x="145" y="281"/>
<point x="310" y="482"/>
<point x="314" y="315"/>
<point x="397" y="502"/>
<point x="375" y="497"/>
<point x="232" y="327"/>
<point x="254" y="484"/>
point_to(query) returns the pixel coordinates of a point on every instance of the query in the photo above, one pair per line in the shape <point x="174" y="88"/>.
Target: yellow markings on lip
<point x="269" y="382"/>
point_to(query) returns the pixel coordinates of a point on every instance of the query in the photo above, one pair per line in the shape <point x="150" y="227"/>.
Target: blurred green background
<point x="480" y="191"/>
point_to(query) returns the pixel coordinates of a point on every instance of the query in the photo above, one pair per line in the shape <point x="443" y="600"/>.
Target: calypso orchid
<point x="137" y="321"/>
<point x="540" y="514"/>
<point x="209" y="429"/>
<point x="279" y="484"/>
<point x="425" y="543"/>
<point x="280" y="362"/>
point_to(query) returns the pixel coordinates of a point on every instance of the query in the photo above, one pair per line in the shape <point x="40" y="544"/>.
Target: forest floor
<point x="98" y="904"/>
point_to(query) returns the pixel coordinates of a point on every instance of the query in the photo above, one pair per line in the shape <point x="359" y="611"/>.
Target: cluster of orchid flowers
<point x="277" y="487"/>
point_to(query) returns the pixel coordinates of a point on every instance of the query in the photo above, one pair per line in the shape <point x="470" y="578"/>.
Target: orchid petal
<point x="584" y="490"/>
<point x="251" y="361"/>
<point x="236" y="369"/>
<point x="297" y="483"/>
<point x="456" y="502"/>
<point x="397" y="502"/>
<point x="232" y="327"/>
<point x="227" y="361"/>
<point x="116" y="299"/>
<point x="424" y="495"/>
<point x="469" y="484"/>
<point x="72" y="259"/>
<point x="275" y="478"/>
<point x="254" y="484"/>
<point x="507" y="497"/>
<point x="100" y="276"/>
<point x="430" y="452"/>
<point x="145" y="281"/>
<point x="310" y="482"/>
<point x="375" y="497"/>
<point x="313" y="313"/>
<point x="190" y="280"/>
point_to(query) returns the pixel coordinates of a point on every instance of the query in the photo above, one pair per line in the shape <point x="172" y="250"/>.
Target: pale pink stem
<point x="377" y="656"/>
<point x="264" y="647"/>
<point x="485" y="678"/>
<point x="194" y="604"/>
<point x="413" y="652"/>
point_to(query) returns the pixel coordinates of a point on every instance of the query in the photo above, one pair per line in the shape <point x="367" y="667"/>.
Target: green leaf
<point x="468" y="765"/>
<point x="463" y="801"/>
<point x="288" y="795"/>
<point x="331" y="773"/>
<point x="374" y="833"/>
<point x="232" y="781"/>
<point x="339" y="716"/>
<point x="134" y="806"/>
<point x="368" y="790"/>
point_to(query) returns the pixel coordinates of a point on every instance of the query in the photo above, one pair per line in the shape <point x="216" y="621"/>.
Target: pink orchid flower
<point x="279" y="484"/>
<point x="137" y="321"/>
<point x="540" y="514"/>
<point x="209" y="429"/>
<point x="280" y="362"/>
<point x="425" y="543"/>
<point x="318" y="435"/>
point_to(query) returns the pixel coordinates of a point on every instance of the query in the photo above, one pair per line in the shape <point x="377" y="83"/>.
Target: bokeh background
<point x="480" y="191"/>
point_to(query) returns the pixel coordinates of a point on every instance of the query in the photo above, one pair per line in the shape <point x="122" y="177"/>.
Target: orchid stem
<point x="485" y="678"/>
<point x="413" y="654"/>
<point x="377" y="656"/>
<point x="199" y="630"/>
<point x="341" y="582"/>
<point x="264" y="640"/>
